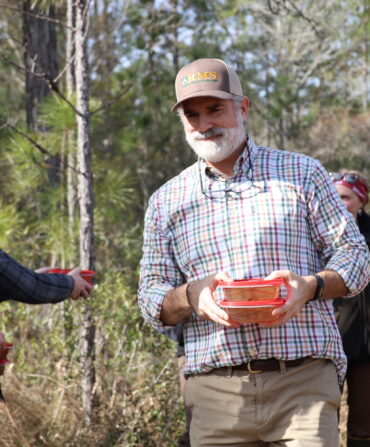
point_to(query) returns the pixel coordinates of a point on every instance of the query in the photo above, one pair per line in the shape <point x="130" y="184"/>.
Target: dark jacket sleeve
<point x="353" y="314"/>
<point x="22" y="284"/>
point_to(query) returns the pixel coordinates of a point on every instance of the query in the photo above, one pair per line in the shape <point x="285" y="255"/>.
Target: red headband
<point x="358" y="187"/>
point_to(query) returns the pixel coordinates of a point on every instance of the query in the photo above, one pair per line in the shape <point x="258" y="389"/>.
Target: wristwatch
<point x="319" y="288"/>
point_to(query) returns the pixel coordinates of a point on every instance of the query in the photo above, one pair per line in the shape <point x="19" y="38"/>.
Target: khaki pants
<point x="184" y="441"/>
<point x="291" y="407"/>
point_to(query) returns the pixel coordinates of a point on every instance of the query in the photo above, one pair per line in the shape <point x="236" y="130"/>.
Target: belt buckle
<point x="252" y="371"/>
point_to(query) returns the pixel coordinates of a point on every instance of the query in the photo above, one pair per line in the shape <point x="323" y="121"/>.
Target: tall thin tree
<point x="71" y="88"/>
<point x="40" y="56"/>
<point x="85" y="197"/>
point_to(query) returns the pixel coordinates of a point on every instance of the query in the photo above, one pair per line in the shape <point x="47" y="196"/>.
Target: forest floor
<point x="16" y="401"/>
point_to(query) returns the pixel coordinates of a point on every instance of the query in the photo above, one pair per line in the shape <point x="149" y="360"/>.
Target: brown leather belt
<point x="265" y="365"/>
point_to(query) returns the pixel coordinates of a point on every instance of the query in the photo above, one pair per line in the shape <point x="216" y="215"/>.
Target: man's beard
<point x="215" y="151"/>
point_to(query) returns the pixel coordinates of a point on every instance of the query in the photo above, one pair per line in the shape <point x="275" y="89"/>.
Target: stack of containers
<point x="252" y="301"/>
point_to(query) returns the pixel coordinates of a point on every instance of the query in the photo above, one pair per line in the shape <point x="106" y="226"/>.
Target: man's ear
<point x="245" y="107"/>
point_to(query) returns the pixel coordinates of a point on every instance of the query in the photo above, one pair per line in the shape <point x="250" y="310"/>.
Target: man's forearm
<point x="175" y="306"/>
<point x="334" y="285"/>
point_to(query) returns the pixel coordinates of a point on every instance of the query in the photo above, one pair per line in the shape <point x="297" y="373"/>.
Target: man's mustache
<point x="215" y="132"/>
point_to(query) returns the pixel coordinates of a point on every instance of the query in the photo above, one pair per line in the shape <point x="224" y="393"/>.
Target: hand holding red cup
<point x="83" y="280"/>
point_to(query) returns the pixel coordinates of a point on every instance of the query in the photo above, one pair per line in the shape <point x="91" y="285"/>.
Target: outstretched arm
<point x="22" y="284"/>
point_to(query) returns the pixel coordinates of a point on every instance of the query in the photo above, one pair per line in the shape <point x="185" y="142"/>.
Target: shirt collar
<point x="243" y="162"/>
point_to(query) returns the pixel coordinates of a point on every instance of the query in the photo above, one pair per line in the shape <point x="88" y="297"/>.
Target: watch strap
<point x="319" y="288"/>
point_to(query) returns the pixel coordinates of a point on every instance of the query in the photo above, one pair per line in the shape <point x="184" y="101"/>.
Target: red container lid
<point x="252" y="304"/>
<point x="256" y="282"/>
<point x="65" y="271"/>
<point x="87" y="273"/>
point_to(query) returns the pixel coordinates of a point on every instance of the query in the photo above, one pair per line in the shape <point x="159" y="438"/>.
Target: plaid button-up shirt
<point x="280" y="212"/>
<point x="22" y="284"/>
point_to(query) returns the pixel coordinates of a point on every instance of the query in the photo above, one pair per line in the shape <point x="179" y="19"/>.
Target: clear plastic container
<point x="252" y="311"/>
<point x="252" y="289"/>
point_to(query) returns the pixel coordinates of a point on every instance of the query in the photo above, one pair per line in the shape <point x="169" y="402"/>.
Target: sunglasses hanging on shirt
<point x="235" y="190"/>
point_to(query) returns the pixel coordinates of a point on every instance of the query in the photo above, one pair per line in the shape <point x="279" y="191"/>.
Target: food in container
<point x="252" y="311"/>
<point x="252" y="289"/>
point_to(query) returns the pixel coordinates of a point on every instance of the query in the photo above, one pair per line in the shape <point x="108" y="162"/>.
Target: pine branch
<point x="36" y="16"/>
<point x="280" y="5"/>
<point x="311" y="22"/>
<point x="264" y="115"/>
<point x="38" y="146"/>
<point x="54" y="87"/>
<point x="64" y="69"/>
<point x="271" y="7"/>
<point x="51" y="83"/>
<point x="111" y="102"/>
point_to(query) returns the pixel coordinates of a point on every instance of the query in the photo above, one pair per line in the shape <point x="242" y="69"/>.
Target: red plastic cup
<point x="87" y="275"/>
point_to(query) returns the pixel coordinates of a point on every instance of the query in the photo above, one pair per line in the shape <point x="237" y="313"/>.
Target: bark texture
<point x="40" y="57"/>
<point x="85" y="193"/>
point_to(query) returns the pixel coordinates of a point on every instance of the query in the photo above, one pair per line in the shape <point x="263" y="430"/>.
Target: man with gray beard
<point x="241" y="212"/>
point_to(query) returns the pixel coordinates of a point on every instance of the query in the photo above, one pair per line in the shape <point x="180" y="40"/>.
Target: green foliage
<point x="136" y="372"/>
<point x="56" y="114"/>
<point x="302" y="65"/>
<point x="11" y="225"/>
<point x="20" y="156"/>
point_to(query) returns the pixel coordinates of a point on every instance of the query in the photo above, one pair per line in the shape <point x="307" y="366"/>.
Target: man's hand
<point x="300" y="290"/>
<point x="81" y="287"/>
<point x="201" y="299"/>
<point x="178" y="305"/>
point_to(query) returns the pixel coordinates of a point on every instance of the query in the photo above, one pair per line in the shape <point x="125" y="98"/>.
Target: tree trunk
<point x="40" y="56"/>
<point x="175" y="49"/>
<point x="85" y="193"/>
<point x="71" y="151"/>
<point x="365" y="96"/>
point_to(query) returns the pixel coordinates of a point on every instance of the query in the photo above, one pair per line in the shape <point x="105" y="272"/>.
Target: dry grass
<point x="137" y="393"/>
<point x="45" y="411"/>
<point x="47" y="414"/>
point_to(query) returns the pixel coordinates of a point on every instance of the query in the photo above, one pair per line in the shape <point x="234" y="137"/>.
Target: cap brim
<point x="210" y="93"/>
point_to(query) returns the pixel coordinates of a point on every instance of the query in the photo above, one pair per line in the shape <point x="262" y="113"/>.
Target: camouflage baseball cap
<point x="206" y="77"/>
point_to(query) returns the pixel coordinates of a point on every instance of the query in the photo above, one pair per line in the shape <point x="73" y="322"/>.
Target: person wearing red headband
<point x="353" y="190"/>
<point x="353" y="318"/>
